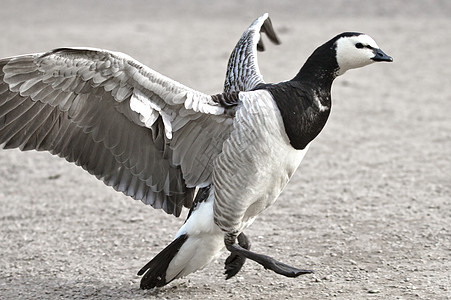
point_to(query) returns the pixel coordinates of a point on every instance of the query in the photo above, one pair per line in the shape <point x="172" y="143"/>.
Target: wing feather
<point x="82" y="105"/>
<point x="138" y="131"/>
<point x="243" y="73"/>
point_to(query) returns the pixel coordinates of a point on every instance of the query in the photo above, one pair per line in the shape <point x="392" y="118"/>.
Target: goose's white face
<point x="358" y="51"/>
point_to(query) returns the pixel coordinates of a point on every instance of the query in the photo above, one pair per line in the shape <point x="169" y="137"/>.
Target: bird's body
<point x="261" y="144"/>
<point x="157" y="140"/>
<point x="251" y="188"/>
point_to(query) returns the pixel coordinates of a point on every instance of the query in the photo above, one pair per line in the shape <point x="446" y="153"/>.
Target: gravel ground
<point x="369" y="210"/>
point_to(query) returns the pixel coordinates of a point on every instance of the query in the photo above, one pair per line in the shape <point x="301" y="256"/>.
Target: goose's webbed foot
<point x="266" y="261"/>
<point x="235" y="261"/>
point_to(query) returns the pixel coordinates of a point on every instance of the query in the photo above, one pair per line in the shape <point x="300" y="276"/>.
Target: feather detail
<point x="105" y="111"/>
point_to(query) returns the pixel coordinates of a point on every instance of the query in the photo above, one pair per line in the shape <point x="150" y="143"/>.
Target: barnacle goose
<point x="158" y="141"/>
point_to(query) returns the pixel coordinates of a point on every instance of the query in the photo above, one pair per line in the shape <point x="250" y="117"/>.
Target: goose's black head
<point x="354" y="50"/>
<point x="349" y="50"/>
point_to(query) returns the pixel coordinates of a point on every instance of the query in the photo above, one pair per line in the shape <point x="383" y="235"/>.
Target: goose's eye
<point x="359" y="45"/>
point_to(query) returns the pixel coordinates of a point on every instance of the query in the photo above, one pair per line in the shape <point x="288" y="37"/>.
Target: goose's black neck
<point x="305" y="101"/>
<point x="321" y="67"/>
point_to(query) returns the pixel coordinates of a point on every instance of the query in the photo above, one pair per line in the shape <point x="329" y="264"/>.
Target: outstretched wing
<point x="243" y="73"/>
<point x="140" y="132"/>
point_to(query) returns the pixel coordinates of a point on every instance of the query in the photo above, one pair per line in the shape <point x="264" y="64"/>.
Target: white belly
<point x="204" y="244"/>
<point x="270" y="180"/>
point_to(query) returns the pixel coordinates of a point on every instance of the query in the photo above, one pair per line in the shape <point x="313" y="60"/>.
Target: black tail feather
<point x="155" y="270"/>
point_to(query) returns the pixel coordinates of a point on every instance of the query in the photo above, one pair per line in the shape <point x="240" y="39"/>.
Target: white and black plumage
<point x="157" y="140"/>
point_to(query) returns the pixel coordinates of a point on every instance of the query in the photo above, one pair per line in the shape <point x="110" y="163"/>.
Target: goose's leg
<point x="235" y="261"/>
<point x="266" y="261"/>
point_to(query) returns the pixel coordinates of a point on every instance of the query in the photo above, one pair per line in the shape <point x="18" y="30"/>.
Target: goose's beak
<point x="379" y="55"/>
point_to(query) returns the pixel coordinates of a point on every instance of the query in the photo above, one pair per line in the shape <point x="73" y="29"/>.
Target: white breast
<point x="256" y="163"/>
